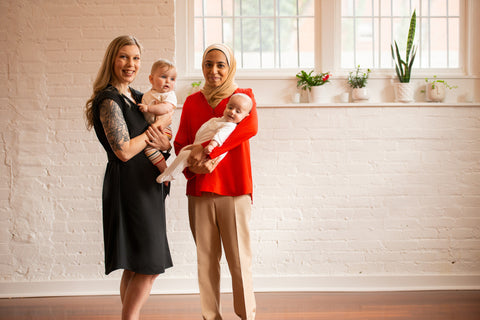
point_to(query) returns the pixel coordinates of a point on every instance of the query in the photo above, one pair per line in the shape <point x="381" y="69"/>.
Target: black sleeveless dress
<point x="133" y="202"/>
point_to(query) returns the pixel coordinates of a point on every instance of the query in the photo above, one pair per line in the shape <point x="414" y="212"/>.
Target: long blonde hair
<point x="216" y="94"/>
<point x="105" y="74"/>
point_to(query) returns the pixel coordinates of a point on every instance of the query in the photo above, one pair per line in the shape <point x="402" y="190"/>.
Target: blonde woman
<point x="133" y="203"/>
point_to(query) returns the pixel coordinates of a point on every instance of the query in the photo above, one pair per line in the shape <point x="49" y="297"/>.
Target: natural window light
<point x="276" y="35"/>
<point x="265" y="34"/>
<point x="369" y="27"/>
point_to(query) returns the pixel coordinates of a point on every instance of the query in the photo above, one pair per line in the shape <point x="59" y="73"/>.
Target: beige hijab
<point x="216" y="94"/>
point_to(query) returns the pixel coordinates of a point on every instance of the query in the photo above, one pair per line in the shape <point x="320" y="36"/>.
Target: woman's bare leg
<point x="126" y="277"/>
<point x="136" y="294"/>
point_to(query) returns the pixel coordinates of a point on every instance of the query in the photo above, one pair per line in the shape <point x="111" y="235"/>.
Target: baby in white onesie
<point x="216" y="130"/>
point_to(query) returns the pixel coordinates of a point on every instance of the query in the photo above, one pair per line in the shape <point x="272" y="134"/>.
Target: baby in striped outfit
<point x="159" y="100"/>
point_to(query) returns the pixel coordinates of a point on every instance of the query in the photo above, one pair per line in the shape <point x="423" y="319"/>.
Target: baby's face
<point x="237" y="109"/>
<point x="163" y="80"/>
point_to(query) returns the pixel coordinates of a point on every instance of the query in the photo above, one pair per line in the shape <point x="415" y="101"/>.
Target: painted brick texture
<point x="367" y="190"/>
<point x="338" y="191"/>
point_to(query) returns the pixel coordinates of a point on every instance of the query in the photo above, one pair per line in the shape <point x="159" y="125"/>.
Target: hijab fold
<point x="215" y="95"/>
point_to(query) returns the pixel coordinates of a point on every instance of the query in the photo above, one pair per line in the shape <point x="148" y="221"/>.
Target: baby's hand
<point x="208" y="149"/>
<point x="143" y="107"/>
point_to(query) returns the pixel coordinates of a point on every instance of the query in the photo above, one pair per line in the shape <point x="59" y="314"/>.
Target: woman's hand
<point x="163" y="121"/>
<point x="157" y="138"/>
<point x="205" y="167"/>
<point x="198" y="161"/>
<point x="197" y="156"/>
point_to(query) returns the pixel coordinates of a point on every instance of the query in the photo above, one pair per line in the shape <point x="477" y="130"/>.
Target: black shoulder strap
<point x="137" y="95"/>
<point x="108" y="93"/>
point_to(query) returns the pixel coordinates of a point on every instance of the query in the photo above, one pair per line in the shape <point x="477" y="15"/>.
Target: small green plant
<point x="435" y="80"/>
<point x="358" y="79"/>
<point x="196" y="84"/>
<point x="403" y="68"/>
<point x="306" y="81"/>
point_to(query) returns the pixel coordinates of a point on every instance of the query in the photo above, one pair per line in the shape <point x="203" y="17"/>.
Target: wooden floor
<point x="423" y="305"/>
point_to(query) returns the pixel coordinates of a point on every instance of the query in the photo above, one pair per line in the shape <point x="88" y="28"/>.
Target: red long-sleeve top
<point x="233" y="175"/>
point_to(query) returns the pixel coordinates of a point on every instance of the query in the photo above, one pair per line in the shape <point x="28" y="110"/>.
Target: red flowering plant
<point x="306" y="81"/>
<point x="325" y="77"/>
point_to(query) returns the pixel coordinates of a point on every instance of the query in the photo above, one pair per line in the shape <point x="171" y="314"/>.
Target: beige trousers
<point x="215" y="220"/>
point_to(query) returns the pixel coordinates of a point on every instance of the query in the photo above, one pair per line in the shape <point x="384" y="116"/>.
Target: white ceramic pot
<point x="319" y="94"/>
<point x="404" y="91"/>
<point x="435" y="94"/>
<point x="360" y="94"/>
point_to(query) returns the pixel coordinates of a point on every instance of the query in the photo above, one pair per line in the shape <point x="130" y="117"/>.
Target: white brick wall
<point x="339" y="192"/>
<point x="371" y="190"/>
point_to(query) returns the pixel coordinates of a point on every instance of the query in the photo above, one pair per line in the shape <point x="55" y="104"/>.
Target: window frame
<point x="326" y="59"/>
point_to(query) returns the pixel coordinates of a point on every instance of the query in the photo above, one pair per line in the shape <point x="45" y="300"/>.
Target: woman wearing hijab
<point x="220" y="194"/>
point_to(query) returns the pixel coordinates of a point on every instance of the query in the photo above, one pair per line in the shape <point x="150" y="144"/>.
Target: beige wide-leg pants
<point x="215" y="220"/>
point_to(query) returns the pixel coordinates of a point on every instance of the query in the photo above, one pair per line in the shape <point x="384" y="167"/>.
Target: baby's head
<point x="238" y="107"/>
<point x="163" y="76"/>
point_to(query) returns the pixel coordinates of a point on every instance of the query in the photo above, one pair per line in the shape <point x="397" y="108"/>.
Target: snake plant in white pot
<point x="404" y="90"/>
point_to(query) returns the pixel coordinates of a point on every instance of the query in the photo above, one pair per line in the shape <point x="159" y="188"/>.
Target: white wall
<point x="346" y="198"/>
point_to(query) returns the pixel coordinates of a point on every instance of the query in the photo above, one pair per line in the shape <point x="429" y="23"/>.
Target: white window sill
<point x="367" y="104"/>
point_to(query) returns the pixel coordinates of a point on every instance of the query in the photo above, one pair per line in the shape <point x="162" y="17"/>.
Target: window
<point x="369" y="27"/>
<point x="277" y="36"/>
<point x="265" y="34"/>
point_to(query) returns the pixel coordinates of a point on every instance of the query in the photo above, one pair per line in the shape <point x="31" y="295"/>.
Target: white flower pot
<point x="404" y="91"/>
<point x="319" y="94"/>
<point x="436" y="94"/>
<point x="360" y="94"/>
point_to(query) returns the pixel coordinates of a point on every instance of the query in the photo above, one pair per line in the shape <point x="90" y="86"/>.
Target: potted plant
<point x="403" y="89"/>
<point x="435" y="90"/>
<point x="358" y="82"/>
<point x="195" y="86"/>
<point x="314" y="83"/>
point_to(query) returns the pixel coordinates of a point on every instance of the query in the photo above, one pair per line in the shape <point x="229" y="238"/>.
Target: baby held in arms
<point x="215" y="130"/>
<point x="159" y="100"/>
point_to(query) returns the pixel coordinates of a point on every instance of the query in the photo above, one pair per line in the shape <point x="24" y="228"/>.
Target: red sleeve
<point x="245" y="130"/>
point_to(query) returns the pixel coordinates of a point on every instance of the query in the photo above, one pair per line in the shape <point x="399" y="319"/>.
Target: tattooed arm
<point x="116" y="131"/>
